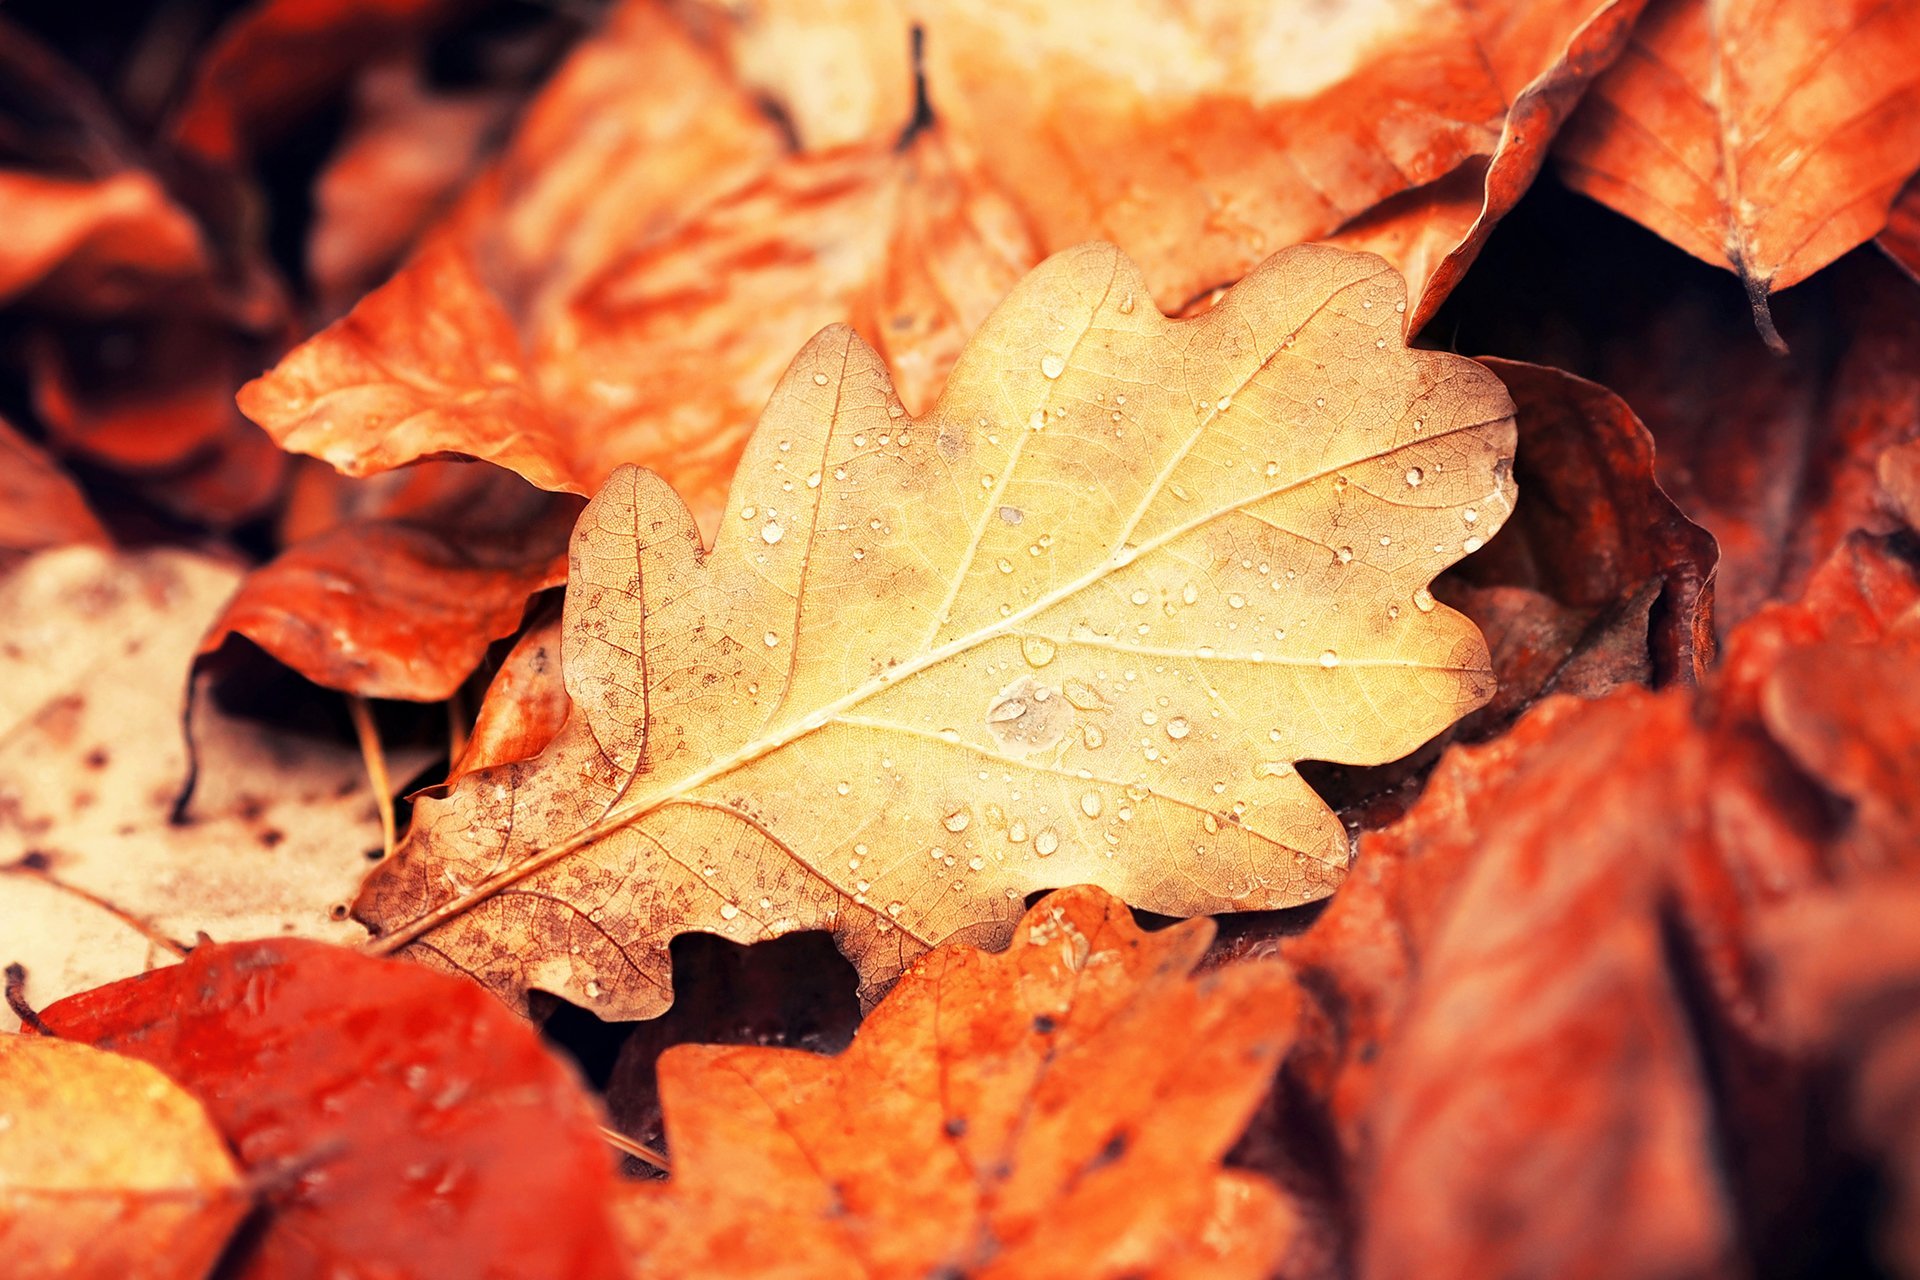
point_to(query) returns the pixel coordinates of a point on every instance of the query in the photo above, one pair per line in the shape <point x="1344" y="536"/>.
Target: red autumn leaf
<point x="40" y="506"/>
<point x="405" y="607"/>
<point x="1844" y="967"/>
<point x="1766" y="137"/>
<point x="400" y="1123"/>
<point x="273" y="61"/>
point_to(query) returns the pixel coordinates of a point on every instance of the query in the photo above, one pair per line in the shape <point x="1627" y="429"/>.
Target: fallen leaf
<point x="1769" y="138"/>
<point x="1074" y="625"/>
<point x="626" y="293"/>
<point x="997" y="1115"/>
<point x="98" y="876"/>
<point x="649" y="337"/>
<point x="416" y="148"/>
<point x="93" y="245"/>
<point x="1202" y="138"/>
<point x="276" y="59"/>
<point x="526" y="703"/>
<point x="1544" y="1077"/>
<point x="40" y="506"/>
<point x="1674" y="339"/>
<point x="107" y="1168"/>
<point x="406" y="607"/>
<point x="840" y="71"/>
<point x="1843" y="969"/>
<point x="1599" y="532"/>
<point x="402" y="1123"/>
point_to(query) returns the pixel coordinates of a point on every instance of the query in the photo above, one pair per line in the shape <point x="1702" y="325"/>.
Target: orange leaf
<point x="1767" y="136"/>
<point x="1004" y="1115"/>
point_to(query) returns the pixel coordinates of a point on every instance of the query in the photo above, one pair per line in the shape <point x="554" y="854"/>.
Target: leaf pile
<point x="636" y="637"/>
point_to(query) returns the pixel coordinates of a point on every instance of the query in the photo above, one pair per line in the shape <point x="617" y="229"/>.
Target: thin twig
<point x="17" y="1001"/>
<point x="638" y="1150"/>
<point x="376" y="760"/>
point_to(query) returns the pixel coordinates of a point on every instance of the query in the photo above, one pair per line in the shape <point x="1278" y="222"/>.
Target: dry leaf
<point x="107" y="1168"/>
<point x="40" y="506"/>
<point x="401" y="1123"/>
<point x="98" y="878"/>
<point x="405" y="605"/>
<point x="997" y="1116"/>
<point x="93" y="245"/>
<point x="1075" y="625"/>
<point x="626" y="292"/>
<point x="1767" y="136"/>
<point x="1843" y="969"/>
<point x="1202" y="137"/>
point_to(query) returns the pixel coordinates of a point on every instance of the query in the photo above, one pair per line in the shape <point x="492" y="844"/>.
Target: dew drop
<point x="976" y="864"/>
<point x="895" y="908"/>
<point x="1177" y="728"/>
<point x="1329" y="659"/>
<point x="1423" y="600"/>
<point x="1126" y="304"/>
<point x="1190" y="593"/>
<point x="593" y="990"/>
<point x="1090" y="804"/>
<point x="1470" y="516"/>
<point x="1006" y="565"/>
<point x="772" y="640"/>
<point x="728" y="910"/>
<point x="748" y="513"/>
<point x="819" y="379"/>
<point x="1472" y="545"/>
<point x="1046" y="842"/>
<point x="1346" y="555"/>
<point x="1139" y="597"/>
<point x="1092" y="737"/>
<point x="1414" y="477"/>
<point x="843" y="788"/>
<point x="771" y="532"/>
<point x="1017" y="831"/>
<point x="1037" y="650"/>
<point x="1053" y="366"/>
<point x="1236" y="601"/>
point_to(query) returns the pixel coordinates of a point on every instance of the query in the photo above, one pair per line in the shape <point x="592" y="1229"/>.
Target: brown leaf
<point x="406" y="607"/>
<point x="40" y="506"/>
<point x="1767" y="137"/>
<point x="779" y="734"/>
<point x="402" y="1124"/>
<point x="1614" y="582"/>
<point x="997" y="1115"/>
<point x="107" y="1168"/>
<point x="98" y="877"/>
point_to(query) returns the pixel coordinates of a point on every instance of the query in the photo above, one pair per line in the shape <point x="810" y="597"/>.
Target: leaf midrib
<point x="768" y="743"/>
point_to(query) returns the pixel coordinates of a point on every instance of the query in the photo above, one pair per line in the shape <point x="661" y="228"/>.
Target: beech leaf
<point x="1767" y="137"/>
<point x="997" y="1116"/>
<point x="1074" y="626"/>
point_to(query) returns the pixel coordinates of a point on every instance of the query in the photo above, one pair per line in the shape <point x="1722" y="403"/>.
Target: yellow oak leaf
<point x="1074" y="625"/>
